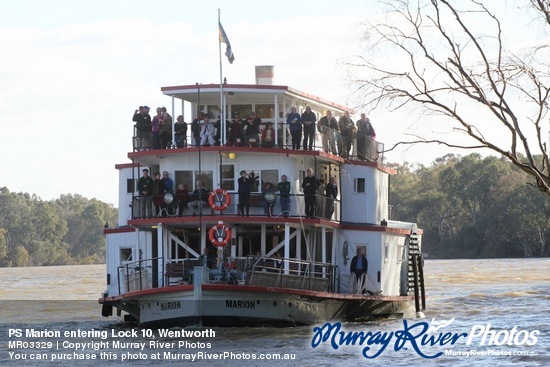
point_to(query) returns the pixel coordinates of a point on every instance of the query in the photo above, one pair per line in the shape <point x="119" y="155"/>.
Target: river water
<point x="508" y="297"/>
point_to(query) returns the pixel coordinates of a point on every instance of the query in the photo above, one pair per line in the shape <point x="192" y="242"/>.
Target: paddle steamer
<point x="282" y="268"/>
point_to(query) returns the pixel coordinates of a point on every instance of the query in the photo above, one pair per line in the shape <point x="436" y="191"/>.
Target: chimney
<point x="264" y="75"/>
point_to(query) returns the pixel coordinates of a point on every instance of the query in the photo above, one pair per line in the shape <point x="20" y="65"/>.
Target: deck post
<point x="324" y="249"/>
<point x="160" y="254"/>
<point x="262" y="239"/>
<point x="287" y="247"/>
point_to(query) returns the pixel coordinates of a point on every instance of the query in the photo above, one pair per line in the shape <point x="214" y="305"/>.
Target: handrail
<point x="142" y="141"/>
<point x="303" y="269"/>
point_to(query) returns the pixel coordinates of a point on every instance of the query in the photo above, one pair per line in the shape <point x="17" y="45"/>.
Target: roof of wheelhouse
<point x="248" y="94"/>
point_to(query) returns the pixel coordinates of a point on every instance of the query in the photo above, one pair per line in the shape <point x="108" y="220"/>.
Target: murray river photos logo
<point x="426" y="339"/>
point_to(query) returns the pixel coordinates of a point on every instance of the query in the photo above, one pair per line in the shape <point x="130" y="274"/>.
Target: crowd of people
<point x="318" y="198"/>
<point x="337" y="136"/>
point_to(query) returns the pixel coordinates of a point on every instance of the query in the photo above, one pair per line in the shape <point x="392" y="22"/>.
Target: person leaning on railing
<point x="180" y="130"/>
<point x="345" y="126"/>
<point x="310" y="185"/>
<point x="145" y="188"/>
<point x="268" y="136"/>
<point x="308" y="119"/>
<point x="365" y="133"/>
<point x="326" y="127"/>
<point x="199" y="197"/>
<point x="284" y="193"/>
<point x="143" y="127"/>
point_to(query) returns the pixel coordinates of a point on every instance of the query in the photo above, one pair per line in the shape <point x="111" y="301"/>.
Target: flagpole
<point x="222" y="107"/>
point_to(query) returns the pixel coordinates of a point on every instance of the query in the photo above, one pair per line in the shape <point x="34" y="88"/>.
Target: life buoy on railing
<point x="219" y="196"/>
<point x="219" y="235"/>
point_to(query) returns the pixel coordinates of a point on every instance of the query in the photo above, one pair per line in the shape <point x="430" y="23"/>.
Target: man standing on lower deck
<point x="310" y="186"/>
<point x="284" y="192"/>
<point x="359" y="266"/>
<point x="145" y="188"/>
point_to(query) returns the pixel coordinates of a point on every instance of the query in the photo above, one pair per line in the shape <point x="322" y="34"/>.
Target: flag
<point x="224" y="39"/>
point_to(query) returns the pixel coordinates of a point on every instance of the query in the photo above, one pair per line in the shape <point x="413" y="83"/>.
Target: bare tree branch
<point x="451" y="69"/>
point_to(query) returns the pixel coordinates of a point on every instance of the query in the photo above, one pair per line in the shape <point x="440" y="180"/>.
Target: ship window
<point x="130" y="185"/>
<point x="359" y="185"/>
<point x="243" y="110"/>
<point x="206" y="177"/>
<point x="214" y="112"/>
<point x="269" y="175"/>
<point x="228" y="177"/>
<point x="186" y="178"/>
<point x="125" y="255"/>
<point x="265" y="111"/>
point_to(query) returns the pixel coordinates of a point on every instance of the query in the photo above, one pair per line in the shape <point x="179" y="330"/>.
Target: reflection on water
<point x="504" y="293"/>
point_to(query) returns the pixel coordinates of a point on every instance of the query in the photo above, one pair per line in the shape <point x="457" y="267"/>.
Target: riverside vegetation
<point x="473" y="207"/>
<point x="68" y="230"/>
<point x="468" y="207"/>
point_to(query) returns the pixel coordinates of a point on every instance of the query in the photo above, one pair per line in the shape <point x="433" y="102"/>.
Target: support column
<point x="299" y="243"/>
<point x="287" y="247"/>
<point x="173" y="120"/>
<point x="203" y="237"/>
<point x="160" y="254"/>
<point x="262" y="240"/>
<point x="240" y="245"/>
<point x="276" y="121"/>
<point x="324" y="249"/>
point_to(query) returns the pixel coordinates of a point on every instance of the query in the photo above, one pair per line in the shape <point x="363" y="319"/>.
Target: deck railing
<point x="325" y="207"/>
<point x="142" y="141"/>
<point x="138" y="275"/>
<point x="260" y="271"/>
<point x="294" y="274"/>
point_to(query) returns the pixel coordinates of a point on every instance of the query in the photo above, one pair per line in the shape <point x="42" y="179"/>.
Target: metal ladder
<point x="415" y="273"/>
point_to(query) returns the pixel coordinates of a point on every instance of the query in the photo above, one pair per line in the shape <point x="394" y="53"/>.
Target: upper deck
<point x="217" y="162"/>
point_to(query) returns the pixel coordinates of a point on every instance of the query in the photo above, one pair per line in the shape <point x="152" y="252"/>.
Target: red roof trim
<point x="118" y="230"/>
<point x="126" y="165"/>
<point x="236" y="87"/>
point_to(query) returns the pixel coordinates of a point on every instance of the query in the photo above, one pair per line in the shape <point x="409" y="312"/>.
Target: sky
<point x="72" y="72"/>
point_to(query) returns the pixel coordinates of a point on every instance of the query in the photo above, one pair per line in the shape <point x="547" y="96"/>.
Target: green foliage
<point x="68" y="230"/>
<point x="473" y="207"/>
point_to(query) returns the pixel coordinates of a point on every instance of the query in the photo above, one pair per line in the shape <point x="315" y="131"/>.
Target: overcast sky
<point x="72" y="73"/>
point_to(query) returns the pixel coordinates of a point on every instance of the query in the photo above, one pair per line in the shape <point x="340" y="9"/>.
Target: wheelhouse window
<point x="242" y="110"/>
<point x="266" y="111"/>
<point x="214" y="111"/>
<point x="359" y="185"/>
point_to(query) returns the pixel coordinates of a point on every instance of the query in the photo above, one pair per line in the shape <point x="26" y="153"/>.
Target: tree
<point x="451" y="59"/>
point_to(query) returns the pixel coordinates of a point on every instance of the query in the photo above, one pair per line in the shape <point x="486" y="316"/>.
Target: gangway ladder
<point x="416" y="272"/>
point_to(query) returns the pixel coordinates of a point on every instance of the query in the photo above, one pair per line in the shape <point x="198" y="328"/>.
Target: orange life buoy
<point x="219" y="196"/>
<point x="219" y="235"/>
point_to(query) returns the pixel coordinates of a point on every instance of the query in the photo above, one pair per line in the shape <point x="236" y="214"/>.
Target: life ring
<point x="219" y="235"/>
<point x="219" y="196"/>
<point x="270" y="196"/>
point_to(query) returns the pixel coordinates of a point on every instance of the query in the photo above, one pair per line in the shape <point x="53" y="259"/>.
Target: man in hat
<point x="145" y="188"/>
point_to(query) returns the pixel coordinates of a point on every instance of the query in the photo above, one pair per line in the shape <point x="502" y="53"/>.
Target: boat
<point x="268" y="266"/>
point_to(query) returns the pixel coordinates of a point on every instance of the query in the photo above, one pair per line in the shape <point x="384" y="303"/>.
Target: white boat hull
<point x="232" y="305"/>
